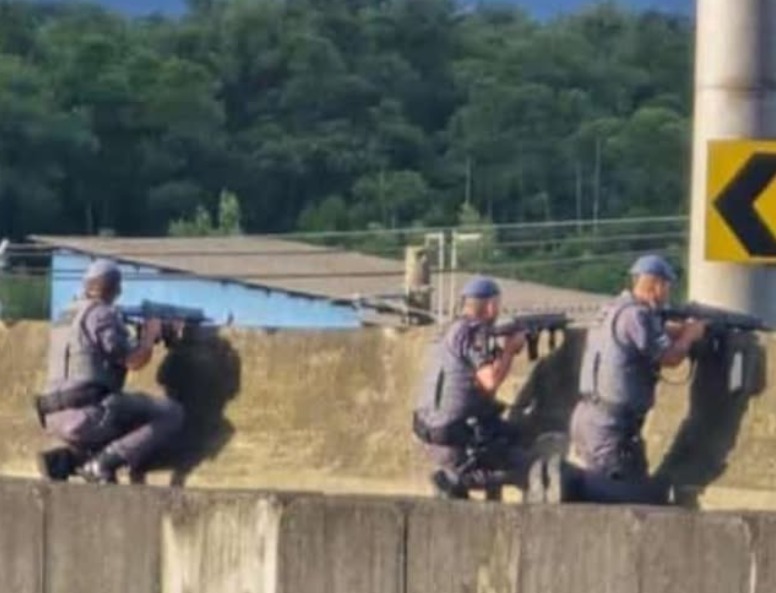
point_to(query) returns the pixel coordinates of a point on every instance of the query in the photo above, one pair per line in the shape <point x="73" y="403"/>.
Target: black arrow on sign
<point x="736" y="205"/>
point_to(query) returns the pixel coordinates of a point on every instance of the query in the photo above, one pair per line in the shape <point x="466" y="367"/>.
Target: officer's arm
<point x="140" y="356"/>
<point x="115" y="343"/>
<point x="491" y="375"/>
<point x="693" y="330"/>
<point x="678" y="351"/>
<point x="650" y="337"/>
<point x="674" y="329"/>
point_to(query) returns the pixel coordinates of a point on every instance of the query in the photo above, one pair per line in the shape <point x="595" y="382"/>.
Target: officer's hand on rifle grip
<point x="178" y="325"/>
<point x="152" y="330"/>
<point x="695" y="329"/>
<point x="533" y="346"/>
<point x="514" y="343"/>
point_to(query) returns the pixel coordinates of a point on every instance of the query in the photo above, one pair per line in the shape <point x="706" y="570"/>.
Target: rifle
<point x="721" y="322"/>
<point x="533" y="325"/>
<point x="167" y="313"/>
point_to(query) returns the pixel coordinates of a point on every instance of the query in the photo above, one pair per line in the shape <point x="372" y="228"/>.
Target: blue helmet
<point x="653" y="265"/>
<point x="102" y="268"/>
<point x="480" y="287"/>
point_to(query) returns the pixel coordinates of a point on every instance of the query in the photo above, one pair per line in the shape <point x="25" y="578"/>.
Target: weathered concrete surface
<point x="90" y="539"/>
<point x="336" y="544"/>
<point x="102" y="539"/>
<point x="23" y="349"/>
<point x="330" y="411"/>
<point x="762" y="537"/>
<point x="463" y="547"/>
<point x="286" y="410"/>
<point x="696" y="553"/>
<point x="571" y="549"/>
<point x="457" y="547"/>
<point x="21" y="537"/>
<point x="220" y="543"/>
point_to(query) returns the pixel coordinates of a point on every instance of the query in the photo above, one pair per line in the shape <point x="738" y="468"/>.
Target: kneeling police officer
<point x="458" y="407"/>
<point x="620" y="370"/>
<point x="84" y="406"/>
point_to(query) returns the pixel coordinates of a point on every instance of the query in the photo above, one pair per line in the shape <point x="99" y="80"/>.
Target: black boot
<point x="58" y="464"/>
<point x="491" y="481"/>
<point x="102" y="468"/>
<point x="447" y="487"/>
<point x="551" y="480"/>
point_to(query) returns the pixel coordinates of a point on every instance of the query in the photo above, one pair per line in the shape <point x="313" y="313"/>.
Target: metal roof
<point x="292" y="266"/>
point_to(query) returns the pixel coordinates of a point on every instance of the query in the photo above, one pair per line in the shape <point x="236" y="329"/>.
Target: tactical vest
<point x="76" y="357"/>
<point x="449" y="392"/>
<point x="613" y="370"/>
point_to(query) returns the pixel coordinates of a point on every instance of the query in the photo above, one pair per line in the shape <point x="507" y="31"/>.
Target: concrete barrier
<point x="95" y="539"/>
<point x="103" y="539"/>
<point x="219" y="543"/>
<point x="706" y="553"/>
<point x="763" y="558"/>
<point x="287" y="410"/>
<point x="458" y="547"/>
<point x="572" y="549"/>
<point x="341" y="425"/>
<point x="341" y="544"/>
<point x="21" y="537"/>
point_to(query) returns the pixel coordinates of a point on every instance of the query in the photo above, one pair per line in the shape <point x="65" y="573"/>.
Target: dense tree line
<point x="337" y="114"/>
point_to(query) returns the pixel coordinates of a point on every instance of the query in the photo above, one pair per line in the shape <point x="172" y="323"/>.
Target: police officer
<point x="84" y="405"/>
<point x="459" y="396"/>
<point x="620" y="370"/>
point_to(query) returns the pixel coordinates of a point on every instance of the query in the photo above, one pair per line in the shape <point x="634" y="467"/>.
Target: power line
<point x="576" y="223"/>
<point x="495" y="226"/>
<point x="549" y="262"/>
<point x="315" y="251"/>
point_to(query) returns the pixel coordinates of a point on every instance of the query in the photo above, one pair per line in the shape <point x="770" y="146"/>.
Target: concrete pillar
<point x="417" y="279"/>
<point x="735" y="98"/>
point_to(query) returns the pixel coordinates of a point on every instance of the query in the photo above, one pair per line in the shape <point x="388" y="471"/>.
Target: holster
<point x="79" y="397"/>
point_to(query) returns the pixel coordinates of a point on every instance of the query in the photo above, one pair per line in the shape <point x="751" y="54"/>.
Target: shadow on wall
<point x="545" y="403"/>
<point x="203" y="374"/>
<point x="699" y="452"/>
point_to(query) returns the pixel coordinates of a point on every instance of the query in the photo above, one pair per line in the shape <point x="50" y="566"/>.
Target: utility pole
<point x="417" y="283"/>
<point x="735" y="98"/>
<point x="597" y="183"/>
<point x="439" y="240"/>
<point x="468" y="197"/>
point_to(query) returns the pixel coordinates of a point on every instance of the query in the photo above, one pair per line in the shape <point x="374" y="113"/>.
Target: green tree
<point x="199" y="225"/>
<point x="229" y="217"/>
<point x="337" y="115"/>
